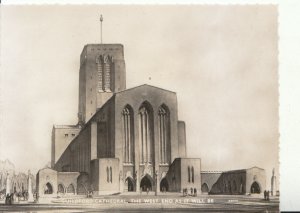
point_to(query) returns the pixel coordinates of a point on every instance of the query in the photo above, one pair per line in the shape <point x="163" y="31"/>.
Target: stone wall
<point x="257" y="175"/>
<point x="180" y="175"/>
<point x="62" y="135"/>
<point x="46" y="183"/>
<point x="105" y="176"/>
<point x="68" y="181"/>
<point x="230" y="182"/>
<point x="181" y="139"/>
<point x="190" y="173"/>
<point x="174" y="176"/>
<point x="209" y="178"/>
<point x="76" y="158"/>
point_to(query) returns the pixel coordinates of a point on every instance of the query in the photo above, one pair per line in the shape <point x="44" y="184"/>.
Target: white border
<point x="289" y="75"/>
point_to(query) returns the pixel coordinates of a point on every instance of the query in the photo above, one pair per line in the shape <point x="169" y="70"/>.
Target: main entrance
<point x="164" y="186"/>
<point x="129" y="184"/>
<point x="146" y="183"/>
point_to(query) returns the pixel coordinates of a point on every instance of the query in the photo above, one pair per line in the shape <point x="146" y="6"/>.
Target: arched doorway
<point x="204" y="188"/>
<point x="164" y="186"/>
<point x="83" y="184"/>
<point x="255" y="189"/>
<point x="61" y="189"/>
<point x="129" y="184"/>
<point x="146" y="183"/>
<point x="71" y="189"/>
<point x="48" y="188"/>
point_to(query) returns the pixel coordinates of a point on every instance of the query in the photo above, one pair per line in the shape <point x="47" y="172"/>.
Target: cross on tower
<point x="101" y="20"/>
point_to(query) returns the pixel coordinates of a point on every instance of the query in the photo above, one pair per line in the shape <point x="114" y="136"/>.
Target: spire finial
<point x="101" y="20"/>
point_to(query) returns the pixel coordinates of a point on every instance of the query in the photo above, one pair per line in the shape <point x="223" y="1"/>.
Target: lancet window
<point x="146" y="133"/>
<point x="164" y="134"/>
<point x="104" y="70"/>
<point x="128" y="134"/>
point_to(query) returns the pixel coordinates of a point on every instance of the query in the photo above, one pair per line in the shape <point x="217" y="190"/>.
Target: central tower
<point x="102" y="73"/>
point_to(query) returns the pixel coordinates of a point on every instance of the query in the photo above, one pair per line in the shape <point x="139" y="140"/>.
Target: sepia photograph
<point x="133" y="108"/>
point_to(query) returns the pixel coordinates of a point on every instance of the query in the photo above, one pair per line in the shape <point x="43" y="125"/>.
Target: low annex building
<point x="244" y="181"/>
<point x="126" y="140"/>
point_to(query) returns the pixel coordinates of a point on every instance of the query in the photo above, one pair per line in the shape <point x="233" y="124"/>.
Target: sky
<point x="222" y="61"/>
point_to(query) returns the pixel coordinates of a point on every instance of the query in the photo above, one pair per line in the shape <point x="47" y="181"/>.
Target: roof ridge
<point x="142" y="86"/>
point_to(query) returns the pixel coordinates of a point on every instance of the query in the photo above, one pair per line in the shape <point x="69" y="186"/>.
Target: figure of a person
<point x="7" y="199"/>
<point x="265" y="195"/>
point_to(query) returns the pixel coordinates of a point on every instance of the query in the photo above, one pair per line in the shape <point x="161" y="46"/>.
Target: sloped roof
<point x="144" y="85"/>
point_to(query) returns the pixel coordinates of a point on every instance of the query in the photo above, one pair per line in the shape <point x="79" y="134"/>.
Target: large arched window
<point x="99" y="62"/>
<point x="104" y="69"/>
<point x="128" y="133"/>
<point x="164" y="133"/>
<point x="107" y="72"/>
<point x="146" y="133"/>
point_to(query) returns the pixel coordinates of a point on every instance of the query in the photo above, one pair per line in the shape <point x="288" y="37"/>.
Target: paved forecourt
<point x="136" y="202"/>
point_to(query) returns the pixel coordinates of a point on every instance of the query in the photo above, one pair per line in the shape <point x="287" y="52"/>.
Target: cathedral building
<point x="128" y="140"/>
<point x="125" y="139"/>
